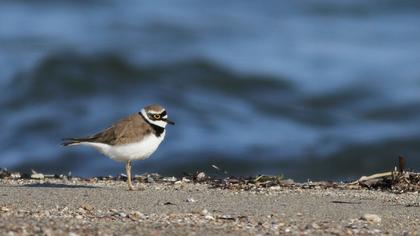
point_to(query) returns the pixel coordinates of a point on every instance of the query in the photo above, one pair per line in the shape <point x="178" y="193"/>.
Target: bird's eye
<point x="156" y="116"/>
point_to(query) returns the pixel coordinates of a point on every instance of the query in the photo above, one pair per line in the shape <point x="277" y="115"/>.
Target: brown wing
<point x="130" y="129"/>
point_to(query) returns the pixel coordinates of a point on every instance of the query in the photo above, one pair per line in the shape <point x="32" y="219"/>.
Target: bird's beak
<point x="169" y="122"/>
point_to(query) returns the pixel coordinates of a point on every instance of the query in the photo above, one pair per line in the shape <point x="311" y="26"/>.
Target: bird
<point x="135" y="137"/>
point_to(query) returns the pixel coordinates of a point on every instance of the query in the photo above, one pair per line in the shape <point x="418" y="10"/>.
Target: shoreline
<point x="170" y="206"/>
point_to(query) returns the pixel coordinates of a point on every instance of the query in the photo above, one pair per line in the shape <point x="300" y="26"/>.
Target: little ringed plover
<point x="135" y="137"/>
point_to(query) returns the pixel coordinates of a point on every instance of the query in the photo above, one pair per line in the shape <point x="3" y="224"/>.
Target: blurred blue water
<point x="309" y="89"/>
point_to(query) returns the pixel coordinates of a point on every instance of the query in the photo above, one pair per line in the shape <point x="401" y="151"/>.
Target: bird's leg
<point x="128" y="169"/>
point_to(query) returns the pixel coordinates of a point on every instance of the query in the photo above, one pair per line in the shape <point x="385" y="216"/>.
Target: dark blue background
<point x="315" y="89"/>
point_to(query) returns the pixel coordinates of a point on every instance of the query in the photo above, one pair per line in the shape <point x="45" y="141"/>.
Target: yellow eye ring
<point x="156" y="116"/>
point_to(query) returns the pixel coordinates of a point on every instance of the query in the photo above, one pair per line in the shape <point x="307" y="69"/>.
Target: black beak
<point x="169" y="122"/>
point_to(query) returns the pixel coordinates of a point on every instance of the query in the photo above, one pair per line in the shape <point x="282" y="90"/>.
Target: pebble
<point x="371" y="218"/>
<point x="15" y="175"/>
<point x="209" y="217"/>
<point x="190" y="199"/>
<point x="201" y="176"/>
<point x="186" y="180"/>
<point x="136" y="215"/>
<point x="122" y="214"/>
<point x="204" y="212"/>
<point x="275" y="188"/>
<point x="87" y="207"/>
<point x="4" y="209"/>
<point x="37" y="176"/>
<point x="170" y="179"/>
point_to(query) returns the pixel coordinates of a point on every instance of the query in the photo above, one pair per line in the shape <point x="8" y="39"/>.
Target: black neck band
<point x="157" y="130"/>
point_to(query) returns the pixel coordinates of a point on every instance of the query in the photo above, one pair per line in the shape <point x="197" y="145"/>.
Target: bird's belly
<point x="135" y="151"/>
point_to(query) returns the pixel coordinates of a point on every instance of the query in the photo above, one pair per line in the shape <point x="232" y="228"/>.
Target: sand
<point x="105" y="207"/>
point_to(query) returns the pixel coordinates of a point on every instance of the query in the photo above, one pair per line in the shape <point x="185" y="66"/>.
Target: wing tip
<point x="69" y="142"/>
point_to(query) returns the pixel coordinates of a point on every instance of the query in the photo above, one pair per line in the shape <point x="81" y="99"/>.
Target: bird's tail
<point x="72" y="141"/>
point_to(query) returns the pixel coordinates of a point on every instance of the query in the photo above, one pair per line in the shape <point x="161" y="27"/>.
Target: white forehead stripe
<point x="159" y="123"/>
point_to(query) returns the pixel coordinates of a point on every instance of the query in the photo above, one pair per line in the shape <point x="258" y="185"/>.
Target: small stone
<point x="136" y="215"/>
<point x="73" y="234"/>
<point x="190" y="199"/>
<point x="81" y="211"/>
<point x="122" y="214"/>
<point x="312" y="226"/>
<point x="371" y="218"/>
<point x="204" y="212"/>
<point x="150" y="179"/>
<point x="170" y="179"/>
<point x="15" y="175"/>
<point x="209" y="217"/>
<point x="275" y="188"/>
<point x="37" y="176"/>
<point x="201" y="176"/>
<point x="87" y="207"/>
<point x="79" y="217"/>
<point x="186" y="180"/>
<point x="4" y="209"/>
<point x="226" y="217"/>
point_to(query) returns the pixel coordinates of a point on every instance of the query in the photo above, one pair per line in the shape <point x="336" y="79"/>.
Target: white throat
<point x="159" y="123"/>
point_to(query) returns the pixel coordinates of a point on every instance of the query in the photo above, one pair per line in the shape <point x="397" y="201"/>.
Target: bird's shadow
<point x="53" y="185"/>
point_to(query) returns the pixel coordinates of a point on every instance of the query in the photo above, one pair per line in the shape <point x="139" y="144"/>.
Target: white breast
<point x="134" y="151"/>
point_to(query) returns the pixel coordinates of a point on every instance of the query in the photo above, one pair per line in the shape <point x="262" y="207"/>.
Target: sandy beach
<point x="61" y="206"/>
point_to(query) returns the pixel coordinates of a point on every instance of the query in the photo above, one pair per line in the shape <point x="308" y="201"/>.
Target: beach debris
<point x="4" y="173"/>
<point x="170" y="179"/>
<point x="123" y="176"/>
<point x="148" y="178"/>
<point x="225" y="217"/>
<point x="397" y="181"/>
<point x="185" y="180"/>
<point x="414" y="204"/>
<point x="375" y="176"/>
<point x="371" y="218"/>
<point x="136" y="215"/>
<point x="15" y="175"/>
<point x="36" y="175"/>
<point x="218" y="169"/>
<point x="401" y="164"/>
<point x="346" y="202"/>
<point x="168" y="203"/>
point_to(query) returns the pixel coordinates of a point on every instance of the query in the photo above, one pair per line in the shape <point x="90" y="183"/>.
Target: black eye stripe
<point x="161" y="115"/>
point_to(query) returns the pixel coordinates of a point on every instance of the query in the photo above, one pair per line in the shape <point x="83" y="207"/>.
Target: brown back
<point x="127" y="130"/>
